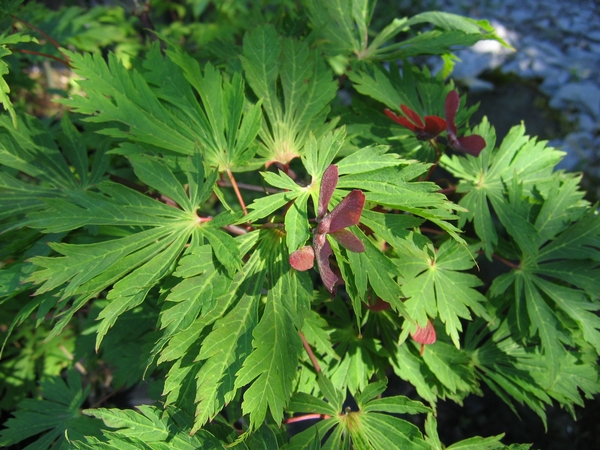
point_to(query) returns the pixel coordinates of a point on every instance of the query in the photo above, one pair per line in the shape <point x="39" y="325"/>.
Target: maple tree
<point x="162" y="230"/>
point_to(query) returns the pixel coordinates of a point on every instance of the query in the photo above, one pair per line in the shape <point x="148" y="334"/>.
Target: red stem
<point x="106" y="397"/>
<point x="236" y="189"/>
<point x="501" y="259"/>
<point x="46" y="55"/>
<point x="249" y="187"/>
<point x="52" y="41"/>
<point x="306" y="417"/>
<point x="311" y="354"/>
<point x="438" y="155"/>
<point x="431" y="230"/>
<point x="448" y="190"/>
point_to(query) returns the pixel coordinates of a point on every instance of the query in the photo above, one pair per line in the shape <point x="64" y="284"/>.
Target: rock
<point x="593" y="35"/>
<point x="554" y="79"/>
<point x="565" y="24"/>
<point x="578" y="147"/>
<point x="557" y="42"/>
<point x="587" y="123"/>
<point x="584" y="96"/>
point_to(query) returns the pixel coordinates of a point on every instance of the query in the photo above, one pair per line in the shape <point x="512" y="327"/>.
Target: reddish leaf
<point x="408" y="124"/>
<point x="412" y="115"/>
<point x="400" y="119"/>
<point x="425" y="335"/>
<point x="432" y="127"/>
<point x="347" y="212"/>
<point x="303" y="258"/>
<point x="323" y="251"/>
<point x="379" y="305"/>
<point x="471" y="144"/>
<point x="451" y="108"/>
<point x="348" y="240"/>
<point x="328" y="184"/>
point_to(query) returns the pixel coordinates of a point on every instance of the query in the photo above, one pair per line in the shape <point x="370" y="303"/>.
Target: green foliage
<point x="147" y="236"/>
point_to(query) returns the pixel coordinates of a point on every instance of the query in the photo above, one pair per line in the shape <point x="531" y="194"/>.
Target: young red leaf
<point x="303" y="258"/>
<point x="379" y="305"/>
<point x="401" y="120"/>
<point x="412" y="116"/>
<point x="432" y="127"/>
<point x="348" y="240"/>
<point x="347" y="212"/>
<point x="469" y="144"/>
<point x="328" y="184"/>
<point x="450" y="109"/>
<point x="323" y="251"/>
<point x="424" y="335"/>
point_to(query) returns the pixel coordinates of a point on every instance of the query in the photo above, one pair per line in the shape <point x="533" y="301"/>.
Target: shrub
<point x="166" y="228"/>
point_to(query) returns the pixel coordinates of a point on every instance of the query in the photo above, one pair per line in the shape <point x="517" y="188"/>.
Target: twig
<point x="306" y="417"/>
<point x="106" y="397"/>
<point x="125" y="182"/>
<point x="438" y="155"/>
<point x="27" y="24"/>
<point x="311" y="355"/>
<point x="235" y="187"/>
<point x="234" y="229"/>
<point x="46" y="55"/>
<point x="448" y="190"/>
<point x="431" y="230"/>
<point x="249" y="187"/>
<point x="501" y="259"/>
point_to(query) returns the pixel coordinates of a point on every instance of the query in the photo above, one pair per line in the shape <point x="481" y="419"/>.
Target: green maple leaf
<point x="543" y="213"/>
<point x="545" y="281"/>
<point x="56" y="413"/>
<point x="519" y="374"/>
<point x="307" y="88"/>
<point x="415" y="88"/>
<point x="209" y="378"/>
<point x="485" y="180"/>
<point x="342" y="25"/>
<point x="11" y="39"/>
<point x="451" y="30"/>
<point x="242" y="346"/>
<point x="437" y="286"/>
<point x="343" y="28"/>
<point x="159" y="108"/>
<point x="135" y="263"/>
<point x="362" y="428"/>
<point x="271" y="368"/>
<point x="34" y="150"/>
<point x="394" y="187"/>
<point x="149" y="428"/>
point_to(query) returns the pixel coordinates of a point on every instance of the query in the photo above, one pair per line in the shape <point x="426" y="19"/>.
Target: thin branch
<point x="27" y="24"/>
<point x="502" y="260"/>
<point x="234" y="229"/>
<point x="125" y="182"/>
<point x="235" y="187"/>
<point x="106" y="397"/>
<point x="136" y="187"/>
<point x="438" y="155"/>
<point x="46" y="55"/>
<point x="431" y="230"/>
<point x="272" y="225"/>
<point x="311" y="354"/>
<point x="306" y="417"/>
<point x="448" y="190"/>
<point x="249" y="187"/>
